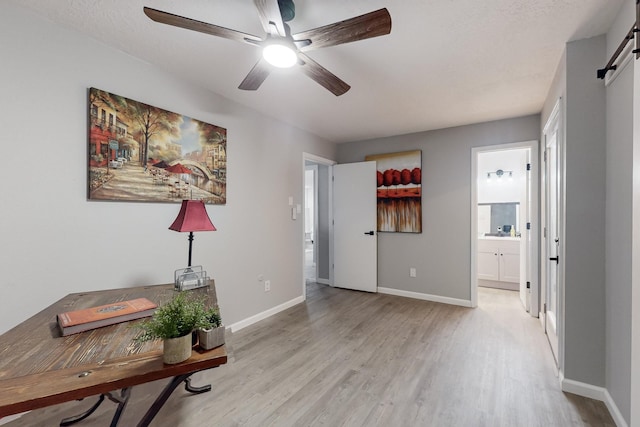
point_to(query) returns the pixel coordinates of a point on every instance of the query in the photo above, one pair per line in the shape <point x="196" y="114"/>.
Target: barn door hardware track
<point x="630" y="36"/>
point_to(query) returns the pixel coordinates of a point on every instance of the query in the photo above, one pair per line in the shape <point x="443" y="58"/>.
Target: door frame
<point x="555" y="118"/>
<point x="533" y="258"/>
<point x="308" y="157"/>
<point x="313" y="168"/>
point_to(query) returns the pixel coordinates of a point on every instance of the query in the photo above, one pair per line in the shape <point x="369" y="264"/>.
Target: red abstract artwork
<point x="399" y="194"/>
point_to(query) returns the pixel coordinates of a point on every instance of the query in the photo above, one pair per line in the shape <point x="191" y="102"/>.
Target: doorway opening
<point x="317" y="239"/>
<point x="310" y="222"/>
<point x="504" y="221"/>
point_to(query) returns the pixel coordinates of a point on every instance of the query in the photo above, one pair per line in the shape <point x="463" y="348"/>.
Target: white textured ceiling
<point x="445" y="63"/>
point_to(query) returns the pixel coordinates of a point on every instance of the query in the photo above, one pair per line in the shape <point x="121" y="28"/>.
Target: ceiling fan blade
<point x="322" y="76"/>
<point x="372" y="24"/>
<point x="203" y="27"/>
<point x="256" y="76"/>
<point x="270" y="17"/>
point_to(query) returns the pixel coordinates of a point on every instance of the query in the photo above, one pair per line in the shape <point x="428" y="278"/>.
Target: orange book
<point x="76" y="321"/>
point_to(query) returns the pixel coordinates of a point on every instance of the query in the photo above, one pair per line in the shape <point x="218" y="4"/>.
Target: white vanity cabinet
<point x="499" y="259"/>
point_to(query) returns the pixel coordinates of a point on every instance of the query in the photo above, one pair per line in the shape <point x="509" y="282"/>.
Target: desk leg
<point x="162" y="398"/>
<point x="121" y="401"/>
<point x="195" y="390"/>
<point x="77" y="418"/>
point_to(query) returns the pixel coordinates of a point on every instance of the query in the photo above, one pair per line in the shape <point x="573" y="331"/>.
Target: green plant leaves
<point x="183" y="314"/>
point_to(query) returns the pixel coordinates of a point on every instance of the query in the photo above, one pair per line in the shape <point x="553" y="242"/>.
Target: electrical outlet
<point x="412" y="272"/>
<point x="267" y="285"/>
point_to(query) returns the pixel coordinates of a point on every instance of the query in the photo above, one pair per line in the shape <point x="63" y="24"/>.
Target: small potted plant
<point x="174" y="323"/>
<point x="212" y="335"/>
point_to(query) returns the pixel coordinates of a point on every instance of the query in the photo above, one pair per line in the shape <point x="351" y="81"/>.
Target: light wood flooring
<point x="347" y="358"/>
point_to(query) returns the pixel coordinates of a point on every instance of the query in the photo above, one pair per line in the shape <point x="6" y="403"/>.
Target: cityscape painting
<point x="399" y="194"/>
<point x="142" y="153"/>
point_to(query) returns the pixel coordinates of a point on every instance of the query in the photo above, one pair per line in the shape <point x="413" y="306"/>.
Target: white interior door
<point x="552" y="236"/>
<point x="354" y="216"/>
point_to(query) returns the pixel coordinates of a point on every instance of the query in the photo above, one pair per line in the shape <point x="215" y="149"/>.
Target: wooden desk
<point x="40" y="368"/>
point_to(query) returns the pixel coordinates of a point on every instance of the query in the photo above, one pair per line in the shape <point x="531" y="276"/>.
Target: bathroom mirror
<point x="494" y="215"/>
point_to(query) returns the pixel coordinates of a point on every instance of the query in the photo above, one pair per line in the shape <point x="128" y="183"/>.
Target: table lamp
<point x="192" y="217"/>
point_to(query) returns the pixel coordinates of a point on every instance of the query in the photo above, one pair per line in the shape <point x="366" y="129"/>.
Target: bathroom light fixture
<point x="499" y="174"/>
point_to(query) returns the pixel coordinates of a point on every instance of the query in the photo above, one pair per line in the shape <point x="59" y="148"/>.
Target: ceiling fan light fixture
<point x="280" y="55"/>
<point x="274" y="16"/>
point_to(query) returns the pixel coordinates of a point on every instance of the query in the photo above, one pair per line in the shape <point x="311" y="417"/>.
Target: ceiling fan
<point x="283" y="49"/>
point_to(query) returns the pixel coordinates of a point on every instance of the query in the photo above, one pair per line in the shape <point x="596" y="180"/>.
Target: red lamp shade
<point x="192" y="217"/>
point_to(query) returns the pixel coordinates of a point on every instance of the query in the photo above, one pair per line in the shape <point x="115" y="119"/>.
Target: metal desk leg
<point x="195" y="390"/>
<point x="121" y="401"/>
<point x="76" y="418"/>
<point x="162" y="398"/>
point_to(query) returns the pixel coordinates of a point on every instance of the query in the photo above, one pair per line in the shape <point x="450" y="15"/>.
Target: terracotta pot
<point x="211" y="338"/>
<point x="177" y="350"/>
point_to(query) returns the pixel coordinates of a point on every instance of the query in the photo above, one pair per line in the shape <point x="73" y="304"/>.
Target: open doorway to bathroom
<point x="310" y="223"/>
<point x="317" y="247"/>
<point x="504" y="221"/>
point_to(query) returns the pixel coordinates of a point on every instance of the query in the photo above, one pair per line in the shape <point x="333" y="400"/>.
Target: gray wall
<point x="585" y="213"/>
<point x="74" y="245"/>
<point x="441" y="253"/>
<point x="618" y="225"/>
<point x="584" y="138"/>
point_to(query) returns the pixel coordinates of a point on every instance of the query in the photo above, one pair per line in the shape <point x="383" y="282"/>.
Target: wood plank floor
<point x="347" y="358"/>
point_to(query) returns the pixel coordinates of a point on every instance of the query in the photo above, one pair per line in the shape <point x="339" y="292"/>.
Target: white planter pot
<point x="211" y="338"/>
<point x="177" y="350"/>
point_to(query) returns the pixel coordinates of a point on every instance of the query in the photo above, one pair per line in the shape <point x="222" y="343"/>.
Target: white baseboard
<point x="426" y="297"/>
<point x="614" y="411"/>
<point x="582" y="389"/>
<point x="267" y="313"/>
<point x="594" y="392"/>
